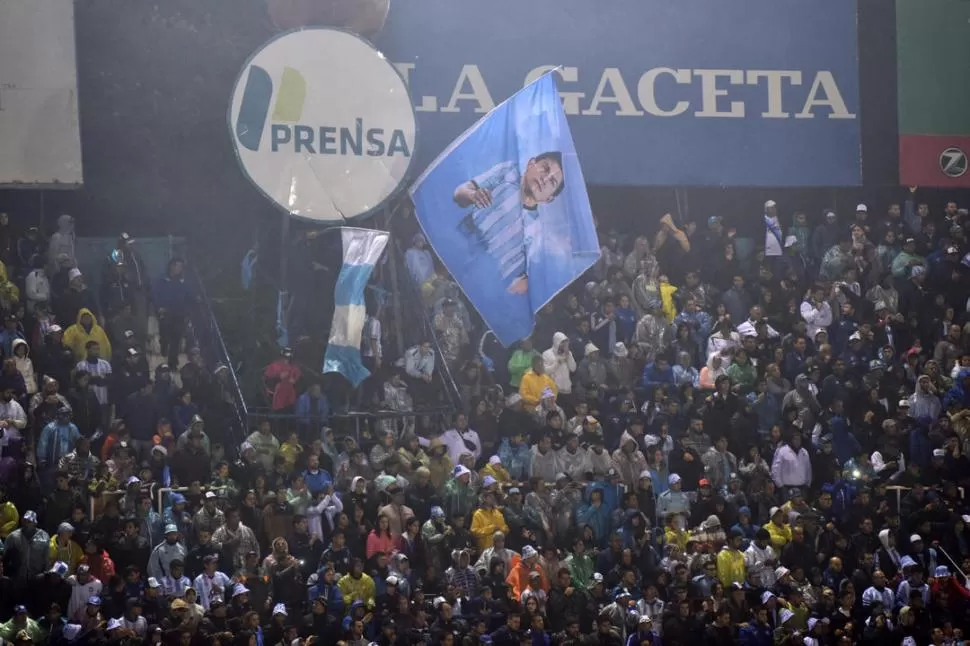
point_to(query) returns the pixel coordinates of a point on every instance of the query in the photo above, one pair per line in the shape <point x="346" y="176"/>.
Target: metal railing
<point x="352" y="423"/>
<point x="213" y="347"/>
<point x="412" y="294"/>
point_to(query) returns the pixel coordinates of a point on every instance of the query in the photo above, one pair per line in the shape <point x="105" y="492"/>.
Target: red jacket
<point x="102" y="567"/>
<point x="958" y="594"/>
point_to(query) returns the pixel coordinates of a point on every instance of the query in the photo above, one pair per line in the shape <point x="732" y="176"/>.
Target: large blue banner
<point x="505" y="208"/>
<point x="692" y="92"/>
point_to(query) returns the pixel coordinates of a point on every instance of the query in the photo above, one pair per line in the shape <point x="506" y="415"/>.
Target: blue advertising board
<point x="690" y="93"/>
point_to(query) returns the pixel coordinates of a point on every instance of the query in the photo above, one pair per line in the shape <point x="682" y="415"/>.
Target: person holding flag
<point x="774" y="238"/>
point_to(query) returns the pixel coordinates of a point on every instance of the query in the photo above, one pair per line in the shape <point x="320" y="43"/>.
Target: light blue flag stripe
<point x="346" y="361"/>
<point x="351" y="283"/>
<point x="362" y="249"/>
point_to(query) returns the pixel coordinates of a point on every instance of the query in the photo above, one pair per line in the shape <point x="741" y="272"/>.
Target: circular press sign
<point x="323" y="124"/>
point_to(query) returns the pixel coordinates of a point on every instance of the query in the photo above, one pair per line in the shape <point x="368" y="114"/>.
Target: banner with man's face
<point x="506" y="210"/>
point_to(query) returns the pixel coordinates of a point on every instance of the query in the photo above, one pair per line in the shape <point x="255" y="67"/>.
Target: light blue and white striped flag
<point x="362" y="250"/>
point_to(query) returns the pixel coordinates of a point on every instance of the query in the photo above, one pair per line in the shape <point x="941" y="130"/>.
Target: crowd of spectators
<point x="697" y="444"/>
<point x="89" y="436"/>
<point x="707" y="440"/>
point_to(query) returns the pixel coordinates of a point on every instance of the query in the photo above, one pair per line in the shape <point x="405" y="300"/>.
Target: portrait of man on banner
<point x="504" y="217"/>
<point x="505" y="208"/>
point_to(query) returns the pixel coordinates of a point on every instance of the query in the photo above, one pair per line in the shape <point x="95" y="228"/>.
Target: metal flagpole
<point x="395" y="290"/>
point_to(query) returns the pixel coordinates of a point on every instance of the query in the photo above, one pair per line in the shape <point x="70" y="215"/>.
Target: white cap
<point x="770" y="203"/>
<point x="855" y="336"/>
<point x="862" y="207"/>
<point x="74" y="273"/>
<point x="590" y="349"/>
<point x="939" y="453"/>
<point x="597" y="577"/>
<point x="495" y="460"/>
<point x="488" y="481"/>
<point x="645" y="474"/>
<point x="391" y="580"/>
<point x="781" y="571"/>
<point x="114" y="623"/>
<point x="461" y="470"/>
<point x="528" y="552"/>
<point x="280" y="609"/>
<point x="965" y="518"/>
<point x="767" y="596"/>
<point x="673" y="479"/>
<point x="785" y="615"/>
<point x="773" y="511"/>
<point x="915" y="537"/>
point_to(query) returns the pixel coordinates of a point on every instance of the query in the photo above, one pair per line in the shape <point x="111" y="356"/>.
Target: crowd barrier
<point x="96" y="502"/>
<point x="361" y="425"/>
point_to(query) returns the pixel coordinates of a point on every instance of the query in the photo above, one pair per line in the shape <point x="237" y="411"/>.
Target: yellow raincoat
<point x="730" y="567"/>
<point x="667" y="292"/>
<point x="76" y="337"/>
<point x="361" y="589"/>
<point x="9" y="519"/>
<point x="70" y="553"/>
<point x="485" y="522"/>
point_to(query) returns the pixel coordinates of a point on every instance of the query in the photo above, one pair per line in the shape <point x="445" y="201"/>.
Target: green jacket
<point x="581" y="569"/>
<point x="900" y="267"/>
<point x="9" y="629"/>
<point x="745" y="375"/>
<point x="459" y="497"/>
<point x="519" y="363"/>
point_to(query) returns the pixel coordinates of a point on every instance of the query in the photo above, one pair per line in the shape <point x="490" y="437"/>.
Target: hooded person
<point x="559" y="363"/>
<point x="545" y="460"/>
<point x="518" y="578"/>
<point x="593" y="372"/>
<point x="440" y="465"/>
<point x="62" y="241"/>
<point x="86" y="329"/>
<point x="958" y="396"/>
<point x="629" y="461"/>
<point x="924" y="401"/>
<point x="715" y="368"/>
<point x="572" y="458"/>
<point x="21" y="356"/>
<point x="76" y="297"/>
<point x="803" y="399"/>
<point x="598" y="459"/>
